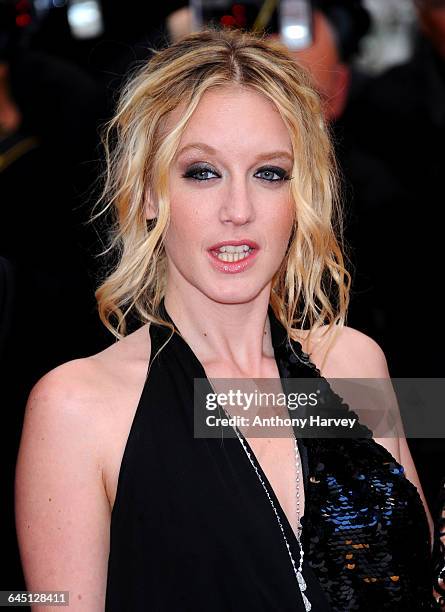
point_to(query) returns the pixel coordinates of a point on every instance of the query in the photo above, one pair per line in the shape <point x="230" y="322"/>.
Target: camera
<point x="292" y="19"/>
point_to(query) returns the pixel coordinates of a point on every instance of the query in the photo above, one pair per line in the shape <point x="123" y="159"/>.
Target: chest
<point x="283" y="471"/>
<point x="273" y="446"/>
<point x="275" y="454"/>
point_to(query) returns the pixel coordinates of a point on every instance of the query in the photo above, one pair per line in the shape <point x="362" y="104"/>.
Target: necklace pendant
<point x="301" y="581"/>
<point x="307" y="603"/>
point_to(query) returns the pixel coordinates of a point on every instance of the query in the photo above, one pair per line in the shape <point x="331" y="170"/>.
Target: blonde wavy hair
<point x="311" y="287"/>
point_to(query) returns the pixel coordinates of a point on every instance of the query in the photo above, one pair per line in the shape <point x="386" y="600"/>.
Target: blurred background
<point x="379" y="66"/>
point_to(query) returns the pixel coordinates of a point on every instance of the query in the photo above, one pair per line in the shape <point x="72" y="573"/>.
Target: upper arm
<point x="62" y="511"/>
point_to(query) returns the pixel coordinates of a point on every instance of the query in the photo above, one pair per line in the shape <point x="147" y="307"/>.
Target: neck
<point x="236" y="336"/>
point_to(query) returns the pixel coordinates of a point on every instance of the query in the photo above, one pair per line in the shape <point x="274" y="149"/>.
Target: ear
<point x="149" y="207"/>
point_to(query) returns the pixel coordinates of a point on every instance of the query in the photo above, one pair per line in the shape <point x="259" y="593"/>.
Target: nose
<point x="237" y="203"/>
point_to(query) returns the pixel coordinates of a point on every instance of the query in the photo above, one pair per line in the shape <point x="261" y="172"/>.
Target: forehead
<point x="233" y="116"/>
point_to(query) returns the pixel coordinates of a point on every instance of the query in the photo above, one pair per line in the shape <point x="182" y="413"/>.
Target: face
<point x="322" y="60"/>
<point x="231" y="208"/>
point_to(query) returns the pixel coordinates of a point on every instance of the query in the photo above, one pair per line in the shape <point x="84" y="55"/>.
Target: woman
<point x="222" y="183"/>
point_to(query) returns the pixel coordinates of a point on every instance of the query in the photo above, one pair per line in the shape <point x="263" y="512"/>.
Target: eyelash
<point x="192" y="172"/>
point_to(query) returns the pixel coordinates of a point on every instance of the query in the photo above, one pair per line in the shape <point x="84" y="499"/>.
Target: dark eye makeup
<point x="196" y="172"/>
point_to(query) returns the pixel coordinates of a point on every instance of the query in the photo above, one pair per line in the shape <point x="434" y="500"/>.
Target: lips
<point x="244" y="261"/>
<point x="250" y="243"/>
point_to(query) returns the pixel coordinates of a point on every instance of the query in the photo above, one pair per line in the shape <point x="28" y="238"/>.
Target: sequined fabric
<point x="365" y="531"/>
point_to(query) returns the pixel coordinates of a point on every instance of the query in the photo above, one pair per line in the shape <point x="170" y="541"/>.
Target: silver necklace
<point x="297" y="570"/>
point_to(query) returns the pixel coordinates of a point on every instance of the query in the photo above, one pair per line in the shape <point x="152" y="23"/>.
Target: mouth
<point x="233" y="256"/>
<point x="234" y="251"/>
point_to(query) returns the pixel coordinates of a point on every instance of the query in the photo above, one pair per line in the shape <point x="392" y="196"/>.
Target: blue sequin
<point x="365" y="532"/>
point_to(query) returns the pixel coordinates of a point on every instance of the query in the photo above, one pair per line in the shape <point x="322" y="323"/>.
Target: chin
<point x="240" y="294"/>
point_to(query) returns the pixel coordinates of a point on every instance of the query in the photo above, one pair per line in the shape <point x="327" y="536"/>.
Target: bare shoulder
<point x="75" y="417"/>
<point x="345" y="352"/>
<point x="81" y="383"/>
<point x="88" y="399"/>
<point x="349" y="353"/>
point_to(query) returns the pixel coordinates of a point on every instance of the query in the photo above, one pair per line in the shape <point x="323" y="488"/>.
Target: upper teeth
<point x="233" y="249"/>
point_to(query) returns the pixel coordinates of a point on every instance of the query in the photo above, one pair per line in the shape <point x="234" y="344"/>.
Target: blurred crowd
<point x="55" y="93"/>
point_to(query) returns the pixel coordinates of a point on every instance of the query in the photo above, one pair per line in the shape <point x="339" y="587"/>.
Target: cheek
<point x="186" y="203"/>
<point x="187" y="220"/>
<point x="285" y="219"/>
<point x="279" y="230"/>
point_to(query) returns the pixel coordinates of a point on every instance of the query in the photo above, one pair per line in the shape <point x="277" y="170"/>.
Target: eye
<point x="198" y="173"/>
<point x="269" y="171"/>
<point x="201" y="173"/>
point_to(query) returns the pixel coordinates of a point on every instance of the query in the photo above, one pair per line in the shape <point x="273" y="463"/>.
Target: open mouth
<point x="231" y="254"/>
<point x="233" y="257"/>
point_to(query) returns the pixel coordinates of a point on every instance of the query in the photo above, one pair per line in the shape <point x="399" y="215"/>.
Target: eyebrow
<point x="201" y="146"/>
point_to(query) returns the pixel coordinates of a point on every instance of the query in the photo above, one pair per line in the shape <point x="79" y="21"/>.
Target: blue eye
<point x="271" y="170"/>
<point x="195" y="171"/>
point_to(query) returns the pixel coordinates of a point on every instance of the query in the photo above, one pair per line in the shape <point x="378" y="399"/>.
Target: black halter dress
<point x="192" y="529"/>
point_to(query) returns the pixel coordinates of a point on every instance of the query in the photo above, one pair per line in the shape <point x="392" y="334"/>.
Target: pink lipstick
<point x="233" y="256"/>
